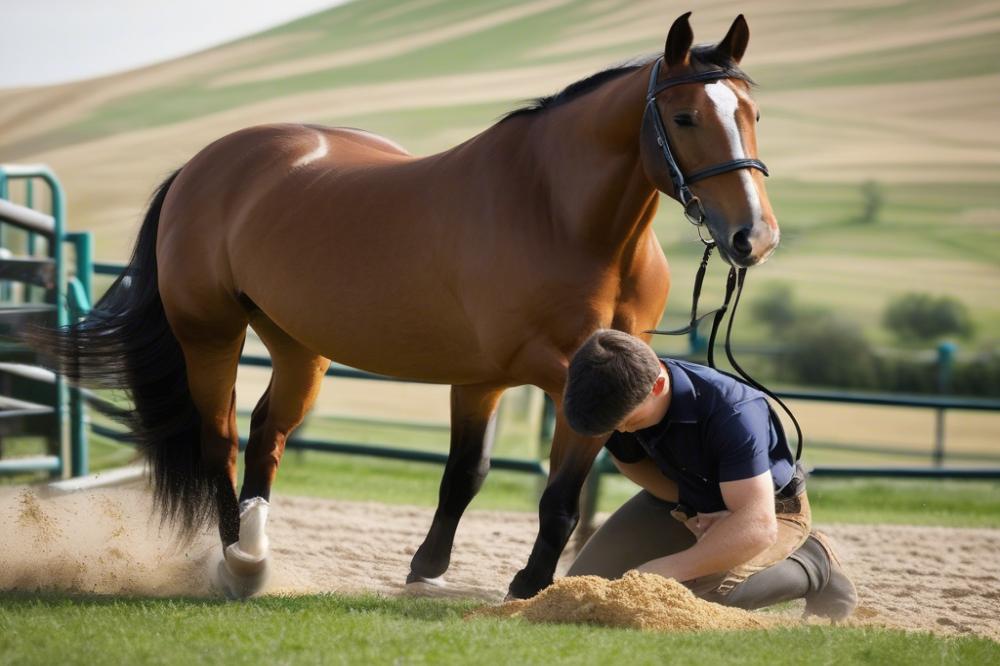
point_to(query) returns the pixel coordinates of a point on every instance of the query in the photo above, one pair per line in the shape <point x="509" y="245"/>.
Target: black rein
<point x="696" y="214"/>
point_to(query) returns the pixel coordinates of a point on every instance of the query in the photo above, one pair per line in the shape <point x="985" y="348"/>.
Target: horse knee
<point x="467" y="473"/>
<point x="480" y="472"/>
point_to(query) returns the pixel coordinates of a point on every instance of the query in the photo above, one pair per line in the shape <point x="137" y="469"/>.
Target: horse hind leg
<point x="472" y="409"/>
<point x="212" y="355"/>
<point x="295" y="383"/>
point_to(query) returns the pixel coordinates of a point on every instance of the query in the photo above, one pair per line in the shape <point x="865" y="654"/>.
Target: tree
<point x="872" y="200"/>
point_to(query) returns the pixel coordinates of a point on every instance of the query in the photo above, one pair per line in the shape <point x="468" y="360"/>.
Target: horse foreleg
<point x="472" y="410"/>
<point x="559" y="509"/>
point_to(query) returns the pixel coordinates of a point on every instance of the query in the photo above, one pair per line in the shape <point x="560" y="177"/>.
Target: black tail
<point x="126" y="343"/>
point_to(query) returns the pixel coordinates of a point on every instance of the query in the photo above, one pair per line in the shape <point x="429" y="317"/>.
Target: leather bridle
<point x="693" y="209"/>
<point x="695" y="214"/>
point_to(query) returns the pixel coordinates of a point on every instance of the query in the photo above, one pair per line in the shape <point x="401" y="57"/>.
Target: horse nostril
<point x="741" y="242"/>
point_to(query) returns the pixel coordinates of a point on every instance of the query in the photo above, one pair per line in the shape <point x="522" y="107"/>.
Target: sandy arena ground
<point x="105" y="541"/>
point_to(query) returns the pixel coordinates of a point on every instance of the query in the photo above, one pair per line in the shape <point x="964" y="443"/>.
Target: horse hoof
<point x="241" y="586"/>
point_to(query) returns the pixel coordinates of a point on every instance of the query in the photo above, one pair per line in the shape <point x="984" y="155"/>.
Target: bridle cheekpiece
<point x="695" y="214"/>
<point x="693" y="209"/>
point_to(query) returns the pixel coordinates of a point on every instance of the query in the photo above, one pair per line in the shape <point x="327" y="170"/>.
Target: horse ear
<point x="734" y="44"/>
<point x="679" y="39"/>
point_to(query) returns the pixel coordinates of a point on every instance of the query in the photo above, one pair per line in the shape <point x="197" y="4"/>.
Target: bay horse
<point x="483" y="267"/>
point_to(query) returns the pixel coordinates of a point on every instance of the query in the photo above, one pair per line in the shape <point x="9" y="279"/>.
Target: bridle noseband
<point x="693" y="209"/>
<point x="695" y="214"/>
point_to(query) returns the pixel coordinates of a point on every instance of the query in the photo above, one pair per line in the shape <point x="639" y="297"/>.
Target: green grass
<point x="310" y="473"/>
<point x="921" y="242"/>
<point x="904" y="502"/>
<point x="948" y="503"/>
<point x="374" y="630"/>
<point x="394" y="482"/>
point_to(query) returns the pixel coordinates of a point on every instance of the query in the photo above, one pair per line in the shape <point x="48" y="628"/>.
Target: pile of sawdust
<point x="635" y="601"/>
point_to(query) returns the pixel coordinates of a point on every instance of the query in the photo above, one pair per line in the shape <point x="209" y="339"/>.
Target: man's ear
<point x="659" y="384"/>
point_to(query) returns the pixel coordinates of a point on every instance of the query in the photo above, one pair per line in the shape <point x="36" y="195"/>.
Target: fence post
<point x="945" y="361"/>
<point x="79" y="449"/>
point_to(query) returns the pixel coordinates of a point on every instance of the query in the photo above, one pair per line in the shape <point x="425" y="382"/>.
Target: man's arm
<point x="748" y="530"/>
<point x="647" y="475"/>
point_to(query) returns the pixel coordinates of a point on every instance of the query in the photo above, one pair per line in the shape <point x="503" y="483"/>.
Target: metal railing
<point x="71" y="449"/>
<point x="940" y="405"/>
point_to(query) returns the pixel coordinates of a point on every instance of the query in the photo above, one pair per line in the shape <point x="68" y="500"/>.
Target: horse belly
<point x="373" y="301"/>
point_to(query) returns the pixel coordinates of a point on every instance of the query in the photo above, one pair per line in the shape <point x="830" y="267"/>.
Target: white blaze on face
<point x="726" y="104"/>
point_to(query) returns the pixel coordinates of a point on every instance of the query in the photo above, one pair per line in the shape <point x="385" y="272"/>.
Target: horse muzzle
<point x="746" y="246"/>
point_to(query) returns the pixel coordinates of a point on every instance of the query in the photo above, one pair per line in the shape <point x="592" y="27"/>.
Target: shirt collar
<point x="683" y="397"/>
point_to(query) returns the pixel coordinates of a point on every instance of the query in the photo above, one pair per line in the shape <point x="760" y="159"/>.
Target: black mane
<point x="704" y="54"/>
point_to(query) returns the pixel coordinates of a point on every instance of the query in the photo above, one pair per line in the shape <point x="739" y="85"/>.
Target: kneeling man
<point x="723" y="507"/>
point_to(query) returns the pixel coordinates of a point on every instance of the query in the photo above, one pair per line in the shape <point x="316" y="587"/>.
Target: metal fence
<point x="48" y="296"/>
<point x="939" y="404"/>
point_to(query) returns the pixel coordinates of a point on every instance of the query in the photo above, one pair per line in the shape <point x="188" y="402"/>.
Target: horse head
<point x="699" y="143"/>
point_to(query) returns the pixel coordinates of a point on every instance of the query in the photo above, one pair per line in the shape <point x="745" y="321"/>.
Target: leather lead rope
<point x="699" y="279"/>
<point x="743" y="375"/>
<point x="734" y="286"/>
<point x="696" y="215"/>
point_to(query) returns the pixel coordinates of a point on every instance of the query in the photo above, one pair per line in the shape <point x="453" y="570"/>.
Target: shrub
<point x="924" y="318"/>
<point x="776" y="307"/>
<point x="826" y="351"/>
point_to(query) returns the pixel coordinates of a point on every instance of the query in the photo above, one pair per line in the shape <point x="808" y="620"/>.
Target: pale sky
<point x="53" y="41"/>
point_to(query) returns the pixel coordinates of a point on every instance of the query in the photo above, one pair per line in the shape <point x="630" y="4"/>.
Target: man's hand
<point x="701" y="522"/>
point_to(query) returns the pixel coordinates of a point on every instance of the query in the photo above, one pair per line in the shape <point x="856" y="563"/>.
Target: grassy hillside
<point x="901" y="92"/>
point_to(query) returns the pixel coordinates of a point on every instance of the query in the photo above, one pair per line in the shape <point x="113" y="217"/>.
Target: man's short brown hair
<point x="609" y="376"/>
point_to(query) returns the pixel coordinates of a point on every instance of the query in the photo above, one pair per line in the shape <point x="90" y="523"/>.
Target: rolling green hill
<point x="900" y="92"/>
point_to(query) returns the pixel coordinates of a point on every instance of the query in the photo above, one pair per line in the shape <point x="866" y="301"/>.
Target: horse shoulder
<point x="644" y="289"/>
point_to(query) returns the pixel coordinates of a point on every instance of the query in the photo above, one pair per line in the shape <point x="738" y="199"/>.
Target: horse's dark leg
<point x="259" y="476"/>
<point x="559" y="509"/>
<point x="472" y="409"/>
<point x="295" y="383"/>
<point x="211" y="356"/>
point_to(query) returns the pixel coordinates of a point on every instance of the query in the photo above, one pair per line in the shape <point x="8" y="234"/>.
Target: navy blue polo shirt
<point x="716" y="429"/>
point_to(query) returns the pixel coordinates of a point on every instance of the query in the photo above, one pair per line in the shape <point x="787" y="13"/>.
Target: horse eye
<point x="758" y="116"/>
<point x="684" y="119"/>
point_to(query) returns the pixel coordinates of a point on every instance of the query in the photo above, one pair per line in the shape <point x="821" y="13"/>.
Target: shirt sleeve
<point x="741" y="441"/>
<point x="625" y="447"/>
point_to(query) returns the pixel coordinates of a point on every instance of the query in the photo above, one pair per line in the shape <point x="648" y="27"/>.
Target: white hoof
<point x="236" y="586"/>
<point x="253" y="520"/>
<point x="245" y="565"/>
